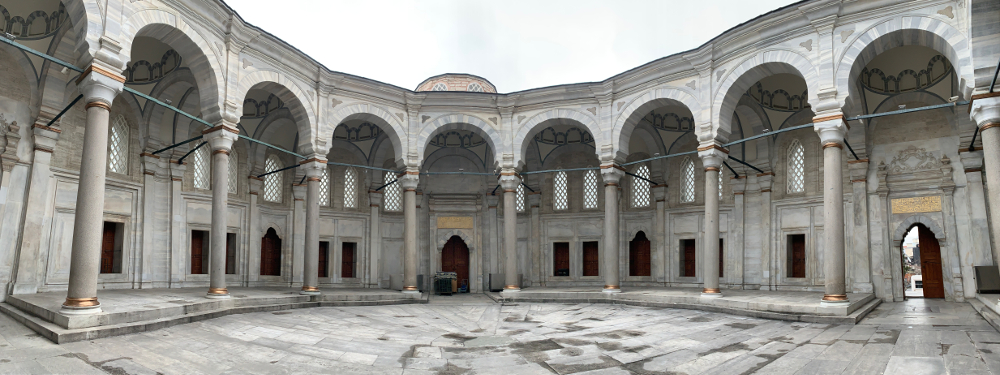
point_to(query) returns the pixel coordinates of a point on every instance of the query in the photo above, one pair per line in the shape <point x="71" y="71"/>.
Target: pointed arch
<point x="294" y="97"/>
<point x="394" y="129"/>
<point x="629" y="117"/>
<point x="460" y="121"/>
<point x="527" y="132"/>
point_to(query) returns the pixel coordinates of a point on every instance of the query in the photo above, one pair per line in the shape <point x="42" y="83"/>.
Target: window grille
<point x="118" y="141"/>
<point x="640" y="187"/>
<point x="796" y="168"/>
<point x="720" y="184"/>
<point x="439" y="87"/>
<point x="559" y="198"/>
<point x="272" y="182"/>
<point x="687" y="181"/>
<point x="350" y="188"/>
<point x="519" y="202"/>
<point x="324" y="187"/>
<point x="234" y="170"/>
<point x="392" y="193"/>
<point x="202" y="171"/>
<point x="590" y="189"/>
<point x="475" y="87"/>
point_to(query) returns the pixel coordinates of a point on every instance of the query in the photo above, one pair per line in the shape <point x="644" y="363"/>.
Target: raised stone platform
<point x="988" y="306"/>
<point x="780" y="305"/>
<point x="138" y="310"/>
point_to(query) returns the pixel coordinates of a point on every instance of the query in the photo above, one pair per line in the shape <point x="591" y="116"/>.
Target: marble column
<point x="611" y="173"/>
<point x="99" y="88"/>
<point x="313" y="168"/>
<point x="861" y="273"/>
<point x="711" y="157"/>
<point x="409" y="183"/>
<point x="509" y="181"/>
<point x="374" y="240"/>
<point x="832" y="130"/>
<point x="986" y="113"/>
<point x="221" y="139"/>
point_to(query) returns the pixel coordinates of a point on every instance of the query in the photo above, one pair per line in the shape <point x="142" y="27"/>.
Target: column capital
<point x="972" y="161"/>
<point x="375" y="198"/>
<point x="534" y="199"/>
<point x="313" y="166"/>
<point x="100" y="86"/>
<point x="712" y="155"/>
<point x="221" y="138"/>
<point x="410" y="179"/>
<point x="299" y="192"/>
<point x="612" y="173"/>
<point x="858" y="170"/>
<point x="832" y="129"/>
<point x="739" y="184"/>
<point x="985" y="110"/>
<point x="509" y="179"/>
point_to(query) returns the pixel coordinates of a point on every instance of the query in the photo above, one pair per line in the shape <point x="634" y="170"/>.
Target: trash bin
<point x="445" y="283"/>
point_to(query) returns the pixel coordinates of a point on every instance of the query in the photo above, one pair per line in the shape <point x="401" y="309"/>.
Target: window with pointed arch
<point x="519" y="202"/>
<point x="393" y="193"/>
<point x="590" y="189"/>
<point x="796" y="167"/>
<point x="272" y="182"/>
<point x="687" y="181"/>
<point x="350" y="188"/>
<point x="234" y="171"/>
<point x="202" y="171"/>
<point x="640" y="187"/>
<point x="118" y="142"/>
<point x="559" y="198"/>
<point x="324" y="187"/>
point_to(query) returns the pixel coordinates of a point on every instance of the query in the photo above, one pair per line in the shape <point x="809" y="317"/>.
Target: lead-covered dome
<point x="457" y="82"/>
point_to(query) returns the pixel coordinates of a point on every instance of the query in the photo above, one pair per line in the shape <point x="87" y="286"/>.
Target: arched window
<point x="202" y="172"/>
<point x="439" y="87"/>
<point x="687" y="181"/>
<point x="475" y="87"/>
<point x="118" y="141"/>
<point x="796" y="167"/>
<point x="519" y="202"/>
<point x="350" y="188"/>
<point x="590" y="189"/>
<point x="234" y="170"/>
<point x="559" y="198"/>
<point x="640" y="187"/>
<point x="324" y="187"/>
<point x="272" y="182"/>
<point x="392" y="193"/>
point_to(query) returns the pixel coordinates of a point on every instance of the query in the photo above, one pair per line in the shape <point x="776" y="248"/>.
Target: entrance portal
<point x="455" y="258"/>
<point x="921" y="259"/>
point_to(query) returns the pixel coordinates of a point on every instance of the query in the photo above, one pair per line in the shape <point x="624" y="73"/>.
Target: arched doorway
<point x="920" y="253"/>
<point x="455" y="258"/>
<point x="270" y="254"/>
<point x="638" y="256"/>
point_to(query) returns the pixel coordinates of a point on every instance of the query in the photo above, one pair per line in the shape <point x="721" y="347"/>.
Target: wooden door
<point x="690" y="260"/>
<point x="638" y="256"/>
<point x="270" y="254"/>
<point x="108" y="248"/>
<point x="455" y="258"/>
<point x="324" y="250"/>
<point x="930" y="264"/>
<point x="798" y="265"/>
<point x="347" y="260"/>
<point x="560" y="259"/>
<point x="722" y="257"/>
<point x="197" y="252"/>
<point x="591" y="262"/>
<point x="230" y="253"/>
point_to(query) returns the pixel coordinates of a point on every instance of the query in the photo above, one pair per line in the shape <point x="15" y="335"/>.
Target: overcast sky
<point x="515" y="44"/>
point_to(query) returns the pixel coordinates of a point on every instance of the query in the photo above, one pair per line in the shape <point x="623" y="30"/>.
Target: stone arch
<point x="88" y="24"/>
<point x="900" y="31"/>
<point x="362" y="111"/>
<point x="751" y="70"/>
<point x="201" y="58"/>
<point x="268" y="126"/>
<point x="905" y="226"/>
<point x="639" y="227"/>
<point x="176" y="86"/>
<point x="291" y="94"/>
<point x="444" y="235"/>
<point x="459" y="121"/>
<point x="530" y="128"/>
<point x="626" y="121"/>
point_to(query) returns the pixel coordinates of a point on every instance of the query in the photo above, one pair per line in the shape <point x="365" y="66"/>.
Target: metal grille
<point x="272" y="182"/>
<point x="720" y="185"/>
<point x="640" y="187"/>
<point x="559" y="199"/>
<point x="796" y="168"/>
<point x="439" y="87"/>
<point x="590" y="189"/>
<point x="475" y="87"/>
<point x="350" y="188"/>
<point x="118" y="146"/>
<point x="687" y="181"/>
<point x="202" y="173"/>
<point x="324" y="187"/>
<point x="519" y="202"/>
<point x="392" y="193"/>
<point x="234" y="170"/>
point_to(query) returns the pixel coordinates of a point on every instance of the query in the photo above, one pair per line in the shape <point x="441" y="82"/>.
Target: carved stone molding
<point x="913" y="159"/>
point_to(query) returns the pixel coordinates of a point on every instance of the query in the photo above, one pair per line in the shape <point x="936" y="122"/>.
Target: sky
<point x="515" y="44"/>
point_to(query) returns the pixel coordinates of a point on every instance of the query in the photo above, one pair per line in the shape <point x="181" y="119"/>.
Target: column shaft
<point x="611" y="266"/>
<point x="310" y="281"/>
<point x="510" y="240"/>
<point x="710" y="255"/>
<point x="991" y="162"/>
<point x="833" y="222"/>
<point x="220" y="208"/>
<point x="410" y="241"/>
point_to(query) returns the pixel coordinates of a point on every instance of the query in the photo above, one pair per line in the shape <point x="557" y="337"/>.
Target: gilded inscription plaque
<point x="916" y="204"/>
<point x="454" y="222"/>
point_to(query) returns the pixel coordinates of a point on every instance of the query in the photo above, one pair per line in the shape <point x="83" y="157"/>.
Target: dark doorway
<point x="922" y="266"/>
<point x="455" y="258"/>
<point x="347" y="260"/>
<point x="231" y="253"/>
<point x="111" y="247"/>
<point x="638" y="256"/>
<point x="591" y="264"/>
<point x="199" y="252"/>
<point x="688" y="258"/>
<point x="797" y="255"/>
<point x="722" y="257"/>
<point x="324" y="252"/>
<point x="270" y="254"/>
<point x="560" y="259"/>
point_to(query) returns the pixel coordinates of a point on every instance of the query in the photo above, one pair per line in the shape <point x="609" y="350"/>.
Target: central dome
<point x="457" y="82"/>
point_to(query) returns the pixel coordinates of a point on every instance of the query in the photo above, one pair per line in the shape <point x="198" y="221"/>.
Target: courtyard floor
<point x="473" y="334"/>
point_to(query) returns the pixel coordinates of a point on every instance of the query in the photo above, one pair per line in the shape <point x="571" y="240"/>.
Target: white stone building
<point x="448" y="160"/>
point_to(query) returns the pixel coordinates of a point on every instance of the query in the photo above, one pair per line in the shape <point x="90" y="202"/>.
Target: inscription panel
<point x="454" y="222"/>
<point x="916" y="204"/>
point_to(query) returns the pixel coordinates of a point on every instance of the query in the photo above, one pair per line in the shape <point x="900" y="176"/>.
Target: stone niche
<point x="457" y="215"/>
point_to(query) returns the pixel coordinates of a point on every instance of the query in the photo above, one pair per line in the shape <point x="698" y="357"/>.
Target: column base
<point x="510" y="289"/>
<point x="309" y="291"/>
<point x="711" y="293"/>
<point x="80" y="306"/>
<point x="834" y="300"/>
<point x="217" y="293"/>
<point x="410" y="290"/>
<point x="612" y="289"/>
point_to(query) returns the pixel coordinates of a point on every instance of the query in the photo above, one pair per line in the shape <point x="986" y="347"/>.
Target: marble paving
<point x="472" y="334"/>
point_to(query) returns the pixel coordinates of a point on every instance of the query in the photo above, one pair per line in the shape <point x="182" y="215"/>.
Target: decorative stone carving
<point x="718" y="74"/>
<point x="913" y="159"/>
<point x="808" y="45"/>
<point x="520" y="118"/>
<point x="10" y="137"/>
<point x="592" y="110"/>
<point x="493" y="120"/>
<point x="947" y="12"/>
<point x="693" y="84"/>
<point x="401" y="116"/>
<point x="844" y="34"/>
<point x="247" y="63"/>
<point x="424" y="118"/>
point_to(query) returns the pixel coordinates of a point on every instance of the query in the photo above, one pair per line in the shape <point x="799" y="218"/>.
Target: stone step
<point x="992" y="317"/>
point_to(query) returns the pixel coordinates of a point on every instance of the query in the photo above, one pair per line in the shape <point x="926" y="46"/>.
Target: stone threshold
<point x="988" y="306"/>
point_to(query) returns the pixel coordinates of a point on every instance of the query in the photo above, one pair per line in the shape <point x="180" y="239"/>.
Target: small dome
<point x="457" y="82"/>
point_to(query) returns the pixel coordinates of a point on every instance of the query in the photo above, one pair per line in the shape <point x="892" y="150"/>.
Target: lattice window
<point x="640" y="187"/>
<point x="393" y="192"/>
<point x="350" y="188"/>
<point x="272" y="182"/>
<point x="796" y="167"/>
<point x="202" y="171"/>
<point x="234" y="170"/>
<point x="439" y="87"/>
<point x="720" y="184"/>
<point x="590" y="189"/>
<point x="559" y="198"/>
<point x="324" y="187"/>
<point x="519" y="202"/>
<point x="687" y="181"/>
<point x="475" y="87"/>
<point x="118" y="141"/>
